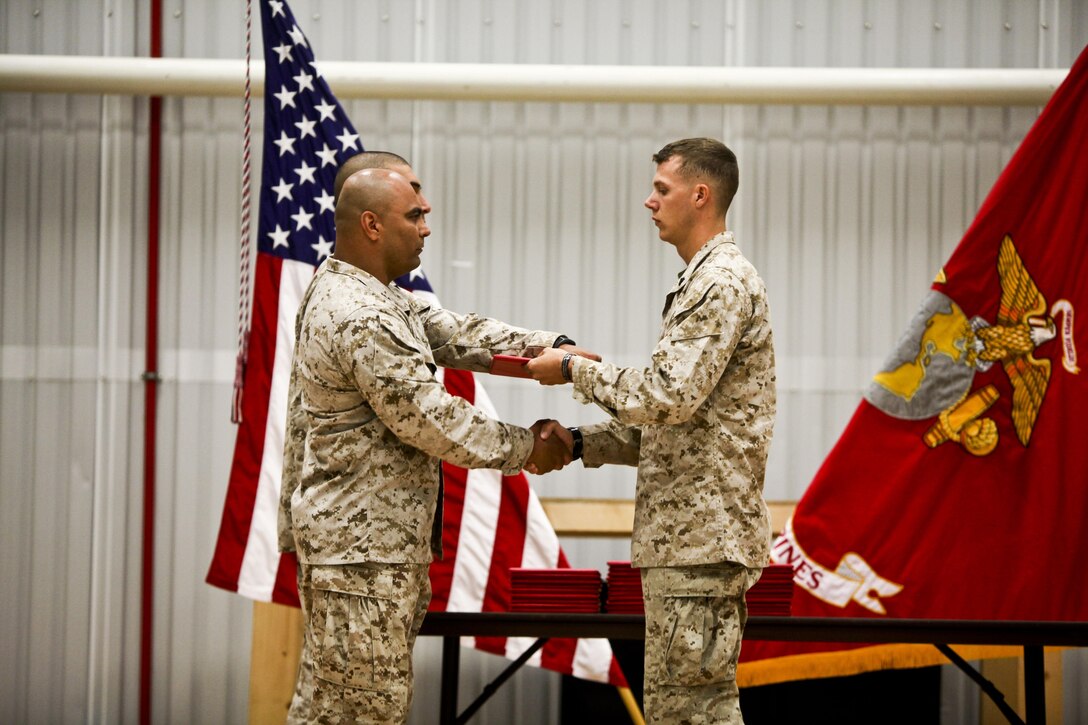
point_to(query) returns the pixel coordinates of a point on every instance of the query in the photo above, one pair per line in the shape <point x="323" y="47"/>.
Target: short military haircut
<point x="365" y="160"/>
<point x="709" y="159"/>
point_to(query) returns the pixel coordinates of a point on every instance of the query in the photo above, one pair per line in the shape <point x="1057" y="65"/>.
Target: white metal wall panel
<point x="1074" y="685"/>
<point x="847" y="211"/>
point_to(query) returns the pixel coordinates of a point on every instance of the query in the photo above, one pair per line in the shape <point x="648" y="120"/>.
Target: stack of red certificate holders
<point x="624" y="589"/>
<point x="772" y="595"/>
<point x="555" y="590"/>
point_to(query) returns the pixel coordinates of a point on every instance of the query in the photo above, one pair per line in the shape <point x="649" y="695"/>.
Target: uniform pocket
<point x="355" y="629"/>
<point x="702" y="640"/>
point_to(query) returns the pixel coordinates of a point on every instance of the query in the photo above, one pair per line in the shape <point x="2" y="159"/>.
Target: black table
<point x="1032" y="636"/>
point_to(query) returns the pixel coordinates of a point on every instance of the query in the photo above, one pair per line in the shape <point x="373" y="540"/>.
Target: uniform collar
<point x="389" y="292"/>
<point x="701" y="255"/>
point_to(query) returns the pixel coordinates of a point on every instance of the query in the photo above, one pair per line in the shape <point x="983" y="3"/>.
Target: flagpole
<point x="632" y="705"/>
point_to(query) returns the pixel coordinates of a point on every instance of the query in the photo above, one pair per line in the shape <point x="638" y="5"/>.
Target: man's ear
<point x="370" y="224"/>
<point x="701" y="195"/>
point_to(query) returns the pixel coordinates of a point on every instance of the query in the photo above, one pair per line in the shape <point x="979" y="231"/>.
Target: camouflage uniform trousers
<point x="361" y="622"/>
<point x="695" y="617"/>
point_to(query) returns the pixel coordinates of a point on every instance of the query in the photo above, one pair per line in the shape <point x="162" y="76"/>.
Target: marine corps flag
<point x="959" y="487"/>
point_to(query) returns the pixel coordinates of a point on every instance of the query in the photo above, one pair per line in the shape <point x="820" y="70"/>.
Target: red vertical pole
<point x="151" y="377"/>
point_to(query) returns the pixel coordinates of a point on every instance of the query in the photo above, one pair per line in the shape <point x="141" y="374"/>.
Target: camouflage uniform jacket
<point x="368" y="421"/>
<point x="698" y="421"/>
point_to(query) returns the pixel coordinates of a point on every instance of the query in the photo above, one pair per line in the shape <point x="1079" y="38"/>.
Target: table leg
<point x="494" y="685"/>
<point x="1034" y="685"/>
<point x="451" y="666"/>
<point x="988" y="688"/>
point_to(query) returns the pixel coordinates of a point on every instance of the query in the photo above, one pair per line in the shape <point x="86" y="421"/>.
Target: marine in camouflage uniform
<point x="697" y="422"/>
<point x="368" y="422"/>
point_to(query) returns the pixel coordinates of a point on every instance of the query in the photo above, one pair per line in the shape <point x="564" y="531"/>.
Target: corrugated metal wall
<point x="847" y="211"/>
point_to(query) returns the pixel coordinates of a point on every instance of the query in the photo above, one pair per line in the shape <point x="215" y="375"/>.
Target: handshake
<point x="553" y="447"/>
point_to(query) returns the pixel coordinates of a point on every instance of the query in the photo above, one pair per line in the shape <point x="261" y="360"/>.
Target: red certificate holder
<point x="510" y="365"/>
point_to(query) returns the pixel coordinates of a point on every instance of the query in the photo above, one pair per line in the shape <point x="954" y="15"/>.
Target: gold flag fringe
<point x="816" y="665"/>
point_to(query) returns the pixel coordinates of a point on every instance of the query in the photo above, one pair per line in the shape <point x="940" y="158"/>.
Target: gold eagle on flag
<point x="1022" y="325"/>
<point x="932" y="370"/>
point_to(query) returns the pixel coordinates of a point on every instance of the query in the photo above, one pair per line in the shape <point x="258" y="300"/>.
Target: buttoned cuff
<point x="579" y="374"/>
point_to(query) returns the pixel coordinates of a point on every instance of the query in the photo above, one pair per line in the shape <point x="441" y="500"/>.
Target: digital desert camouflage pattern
<point x="362" y="623"/>
<point x="698" y="421"/>
<point x="368" y="420"/>
<point x="695" y="618"/>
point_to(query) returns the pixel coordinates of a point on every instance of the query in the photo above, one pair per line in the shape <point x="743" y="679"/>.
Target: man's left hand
<point x="546" y="368"/>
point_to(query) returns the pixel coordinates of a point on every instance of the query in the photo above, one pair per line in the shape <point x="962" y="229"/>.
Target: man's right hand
<point x="555" y="428"/>
<point x="550" y="453"/>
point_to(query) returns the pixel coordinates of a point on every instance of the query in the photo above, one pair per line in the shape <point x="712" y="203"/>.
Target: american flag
<point x="491" y="522"/>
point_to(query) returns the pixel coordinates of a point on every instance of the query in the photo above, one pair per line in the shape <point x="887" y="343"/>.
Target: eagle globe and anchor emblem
<point x="931" y="374"/>
<point x="931" y="371"/>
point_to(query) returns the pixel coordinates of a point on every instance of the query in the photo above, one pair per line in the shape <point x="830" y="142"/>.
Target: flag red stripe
<point x="285" y="590"/>
<point x="513" y="516"/>
<point x="249" y="444"/>
<point x="453" y="484"/>
<point x="558" y="654"/>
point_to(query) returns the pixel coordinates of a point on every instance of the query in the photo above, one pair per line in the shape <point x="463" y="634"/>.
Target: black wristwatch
<point x="576" y="449"/>
<point x="564" y="367"/>
<point x="563" y="340"/>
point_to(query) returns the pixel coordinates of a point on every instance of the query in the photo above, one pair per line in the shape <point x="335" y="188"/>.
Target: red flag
<point x="491" y="522"/>
<point x="958" y="490"/>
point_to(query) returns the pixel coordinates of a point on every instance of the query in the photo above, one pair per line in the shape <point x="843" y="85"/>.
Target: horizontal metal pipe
<point x="549" y="83"/>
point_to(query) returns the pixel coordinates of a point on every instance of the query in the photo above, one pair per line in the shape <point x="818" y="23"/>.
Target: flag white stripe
<point x="541" y="543"/>
<point x="257" y="577"/>
<point x="516" y="645"/>
<point x="592" y="659"/>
